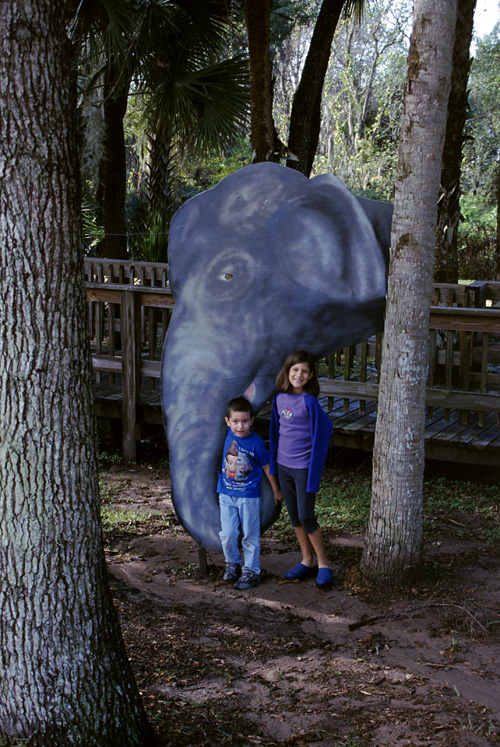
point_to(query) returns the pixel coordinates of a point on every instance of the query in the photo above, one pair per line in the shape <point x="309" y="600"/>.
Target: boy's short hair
<point x="239" y="404"/>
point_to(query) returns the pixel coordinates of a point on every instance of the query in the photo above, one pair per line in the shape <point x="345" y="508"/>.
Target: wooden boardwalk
<point x="129" y="310"/>
<point x="447" y="437"/>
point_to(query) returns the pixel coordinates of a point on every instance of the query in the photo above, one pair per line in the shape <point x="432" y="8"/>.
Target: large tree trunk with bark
<point x="446" y="259"/>
<point x="258" y="23"/>
<point x="393" y="547"/>
<point x="64" y="673"/>
<point x="305" y="119"/>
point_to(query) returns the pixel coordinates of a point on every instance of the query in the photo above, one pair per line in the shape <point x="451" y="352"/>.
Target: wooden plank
<point x="155" y="297"/>
<point x="112" y="364"/>
<point x="446" y="452"/>
<point x="151" y="369"/>
<point x="348" y="361"/>
<point x="353" y="389"/>
<point x="131" y="335"/>
<point x="363" y="374"/>
<point x="472" y="320"/>
<point x="436" y="426"/>
<point x="448" y="399"/>
<point x="472" y="431"/>
<point x="451" y="432"/>
<point x="489" y="437"/>
<point x="463" y="400"/>
<point x="355" y="420"/>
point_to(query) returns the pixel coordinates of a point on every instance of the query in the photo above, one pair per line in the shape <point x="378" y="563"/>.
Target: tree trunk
<point x="64" y="673"/>
<point x="305" y="118"/>
<point x="159" y="193"/>
<point x="446" y="260"/>
<point x="114" y="245"/>
<point x="393" y="547"/>
<point x="496" y="270"/>
<point x="258" y="23"/>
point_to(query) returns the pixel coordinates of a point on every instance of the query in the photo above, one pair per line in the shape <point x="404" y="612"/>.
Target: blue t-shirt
<point x="242" y="462"/>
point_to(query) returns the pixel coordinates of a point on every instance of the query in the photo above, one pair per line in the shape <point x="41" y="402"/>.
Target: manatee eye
<point x="233" y="271"/>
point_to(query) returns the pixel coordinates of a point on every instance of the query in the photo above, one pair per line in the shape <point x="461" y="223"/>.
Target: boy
<point x="245" y="459"/>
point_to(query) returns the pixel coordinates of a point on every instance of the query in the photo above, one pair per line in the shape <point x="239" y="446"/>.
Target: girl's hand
<point x="278" y="497"/>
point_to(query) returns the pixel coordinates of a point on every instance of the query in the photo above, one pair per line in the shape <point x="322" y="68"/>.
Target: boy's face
<point x="240" y="423"/>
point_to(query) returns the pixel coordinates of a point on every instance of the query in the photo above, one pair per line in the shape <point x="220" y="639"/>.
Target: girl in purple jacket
<point x="299" y="438"/>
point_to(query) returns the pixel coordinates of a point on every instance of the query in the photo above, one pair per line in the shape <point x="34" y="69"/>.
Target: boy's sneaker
<point x="232" y="572"/>
<point x="248" y="580"/>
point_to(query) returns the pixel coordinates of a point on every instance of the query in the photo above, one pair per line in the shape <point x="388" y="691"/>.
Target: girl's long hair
<point x="298" y="356"/>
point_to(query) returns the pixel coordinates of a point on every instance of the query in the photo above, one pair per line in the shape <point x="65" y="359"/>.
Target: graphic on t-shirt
<point x="286" y="413"/>
<point x="238" y="466"/>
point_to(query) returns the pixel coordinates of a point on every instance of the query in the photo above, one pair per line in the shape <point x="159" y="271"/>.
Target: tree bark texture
<point x="258" y="23"/>
<point x="64" y="673"/>
<point x="305" y="118"/>
<point x="446" y="259"/>
<point x="393" y="547"/>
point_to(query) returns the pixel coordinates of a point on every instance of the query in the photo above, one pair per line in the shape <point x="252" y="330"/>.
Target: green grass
<point x="343" y="505"/>
<point x="130" y="521"/>
<point x="456" y="498"/>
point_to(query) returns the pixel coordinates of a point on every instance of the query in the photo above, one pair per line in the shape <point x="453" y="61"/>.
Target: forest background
<point x="175" y="145"/>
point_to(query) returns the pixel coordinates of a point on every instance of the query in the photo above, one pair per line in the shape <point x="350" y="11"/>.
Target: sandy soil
<point x="286" y="664"/>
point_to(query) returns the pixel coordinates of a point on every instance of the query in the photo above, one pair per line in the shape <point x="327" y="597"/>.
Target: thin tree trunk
<point x="114" y="245"/>
<point x="446" y="260"/>
<point x="159" y="192"/>
<point x="393" y="547"/>
<point x="496" y="271"/>
<point x="257" y="16"/>
<point x="64" y="673"/>
<point x="305" y="118"/>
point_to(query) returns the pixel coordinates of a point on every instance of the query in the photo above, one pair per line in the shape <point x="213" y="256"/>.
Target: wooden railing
<point x="464" y="358"/>
<point x="130" y="305"/>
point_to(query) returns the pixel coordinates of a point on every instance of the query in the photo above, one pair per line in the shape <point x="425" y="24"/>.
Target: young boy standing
<point x="245" y="458"/>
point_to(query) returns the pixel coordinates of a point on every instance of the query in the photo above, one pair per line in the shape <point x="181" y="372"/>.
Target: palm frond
<point x="102" y="22"/>
<point x="354" y="9"/>
<point x="206" y="107"/>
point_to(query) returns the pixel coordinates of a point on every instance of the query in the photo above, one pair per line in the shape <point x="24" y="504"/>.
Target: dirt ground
<point x="287" y="664"/>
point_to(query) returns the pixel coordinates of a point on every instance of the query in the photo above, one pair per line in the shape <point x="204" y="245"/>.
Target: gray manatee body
<point x="266" y="262"/>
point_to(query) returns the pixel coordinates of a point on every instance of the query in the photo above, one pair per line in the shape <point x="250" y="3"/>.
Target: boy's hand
<point x="278" y="497"/>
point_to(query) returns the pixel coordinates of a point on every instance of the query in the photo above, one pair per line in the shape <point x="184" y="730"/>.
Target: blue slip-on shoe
<point x="301" y="572"/>
<point x="324" y="579"/>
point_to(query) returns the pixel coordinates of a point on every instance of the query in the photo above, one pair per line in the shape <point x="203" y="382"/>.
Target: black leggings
<point x="299" y="503"/>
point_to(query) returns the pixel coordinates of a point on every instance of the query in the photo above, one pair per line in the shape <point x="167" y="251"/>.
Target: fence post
<point x="131" y="356"/>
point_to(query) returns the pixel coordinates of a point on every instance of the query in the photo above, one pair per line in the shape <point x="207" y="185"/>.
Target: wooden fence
<point x="130" y="305"/>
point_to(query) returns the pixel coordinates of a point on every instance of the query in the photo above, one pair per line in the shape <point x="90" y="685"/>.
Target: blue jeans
<point x="240" y="518"/>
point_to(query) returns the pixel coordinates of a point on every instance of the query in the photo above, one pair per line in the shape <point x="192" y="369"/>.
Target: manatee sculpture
<point x="266" y="262"/>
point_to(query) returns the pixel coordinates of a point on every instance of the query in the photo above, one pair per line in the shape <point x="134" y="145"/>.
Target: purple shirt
<point x="295" y="443"/>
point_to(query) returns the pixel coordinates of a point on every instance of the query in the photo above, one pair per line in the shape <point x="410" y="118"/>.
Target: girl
<point x="299" y="438"/>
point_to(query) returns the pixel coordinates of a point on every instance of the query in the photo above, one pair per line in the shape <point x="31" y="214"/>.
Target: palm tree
<point x="174" y="53"/>
<point x="198" y="97"/>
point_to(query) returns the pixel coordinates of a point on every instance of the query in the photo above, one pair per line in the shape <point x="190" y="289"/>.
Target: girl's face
<point x="298" y="376"/>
